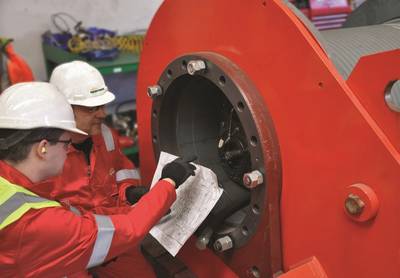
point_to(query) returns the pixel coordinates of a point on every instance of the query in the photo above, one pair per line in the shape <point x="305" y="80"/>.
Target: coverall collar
<point x="43" y="188"/>
<point x="14" y="176"/>
<point x="97" y="141"/>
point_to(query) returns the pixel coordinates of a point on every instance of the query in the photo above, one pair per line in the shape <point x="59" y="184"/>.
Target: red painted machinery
<point x="300" y="126"/>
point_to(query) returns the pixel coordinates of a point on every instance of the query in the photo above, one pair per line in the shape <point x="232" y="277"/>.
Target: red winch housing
<point x="300" y="126"/>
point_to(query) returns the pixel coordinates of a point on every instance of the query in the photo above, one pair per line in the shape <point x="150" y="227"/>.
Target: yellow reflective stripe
<point x="13" y="204"/>
<point x="5" y="193"/>
<point x="17" y="214"/>
<point x="15" y="187"/>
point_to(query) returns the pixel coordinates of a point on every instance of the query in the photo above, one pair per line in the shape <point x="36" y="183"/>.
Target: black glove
<point x="179" y="170"/>
<point x="134" y="193"/>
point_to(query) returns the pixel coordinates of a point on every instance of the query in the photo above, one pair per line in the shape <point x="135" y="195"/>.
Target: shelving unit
<point x="125" y="62"/>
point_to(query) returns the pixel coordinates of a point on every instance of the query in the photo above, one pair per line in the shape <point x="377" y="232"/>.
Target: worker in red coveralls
<point x="41" y="237"/>
<point x="97" y="175"/>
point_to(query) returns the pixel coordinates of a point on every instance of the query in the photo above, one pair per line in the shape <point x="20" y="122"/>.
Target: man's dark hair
<point x="19" y="151"/>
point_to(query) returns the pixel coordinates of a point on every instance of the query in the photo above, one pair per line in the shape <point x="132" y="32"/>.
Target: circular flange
<point x="184" y="122"/>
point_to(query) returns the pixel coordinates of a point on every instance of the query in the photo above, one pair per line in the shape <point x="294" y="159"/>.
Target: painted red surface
<point x="332" y="133"/>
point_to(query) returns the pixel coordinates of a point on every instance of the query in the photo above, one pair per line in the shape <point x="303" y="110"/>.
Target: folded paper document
<point x="195" y="199"/>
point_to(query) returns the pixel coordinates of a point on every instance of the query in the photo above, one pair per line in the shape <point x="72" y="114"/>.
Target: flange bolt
<point x="253" y="179"/>
<point x="222" y="244"/>
<point x="195" y="66"/>
<point x="354" y="205"/>
<point x="154" y="91"/>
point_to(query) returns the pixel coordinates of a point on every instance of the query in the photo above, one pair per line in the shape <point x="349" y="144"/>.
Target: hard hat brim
<point x="16" y="124"/>
<point x="76" y="130"/>
<point x="105" y="98"/>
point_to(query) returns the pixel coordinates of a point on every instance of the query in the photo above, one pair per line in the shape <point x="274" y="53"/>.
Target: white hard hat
<point x="82" y="84"/>
<point x="32" y="105"/>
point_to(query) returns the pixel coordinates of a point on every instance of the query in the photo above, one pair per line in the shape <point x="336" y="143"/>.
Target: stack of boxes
<point x="325" y="14"/>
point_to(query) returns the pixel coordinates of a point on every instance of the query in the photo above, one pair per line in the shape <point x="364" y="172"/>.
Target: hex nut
<point x="195" y="66"/>
<point x="222" y="244"/>
<point x="253" y="179"/>
<point x="354" y="205"/>
<point x="154" y="91"/>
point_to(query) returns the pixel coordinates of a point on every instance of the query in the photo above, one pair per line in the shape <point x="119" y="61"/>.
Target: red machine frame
<point x="333" y="136"/>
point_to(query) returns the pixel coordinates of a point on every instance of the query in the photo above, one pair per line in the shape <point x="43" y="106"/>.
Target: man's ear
<point x="41" y="148"/>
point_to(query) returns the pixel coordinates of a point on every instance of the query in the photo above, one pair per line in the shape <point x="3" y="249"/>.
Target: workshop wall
<point x="26" y="21"/>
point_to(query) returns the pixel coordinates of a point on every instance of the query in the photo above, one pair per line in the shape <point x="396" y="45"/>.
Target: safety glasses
<point x="66" y="143"/>
<point x="93" y="109"/>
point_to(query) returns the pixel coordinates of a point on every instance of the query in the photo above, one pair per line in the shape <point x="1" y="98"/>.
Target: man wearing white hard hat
<point x="96" y="173"/>
<point x="41" y="237"/>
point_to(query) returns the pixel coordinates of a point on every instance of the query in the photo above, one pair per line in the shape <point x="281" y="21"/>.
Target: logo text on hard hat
<point x="93" y="91"/>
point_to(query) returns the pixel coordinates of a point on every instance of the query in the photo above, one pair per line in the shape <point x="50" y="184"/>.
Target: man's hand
<point x="179" y="170"/>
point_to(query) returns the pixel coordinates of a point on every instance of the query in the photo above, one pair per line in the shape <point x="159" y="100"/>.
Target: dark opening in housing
<point x="206" y="114"/>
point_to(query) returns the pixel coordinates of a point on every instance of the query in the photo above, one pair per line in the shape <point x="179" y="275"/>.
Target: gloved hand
<point x="134" y="193"/>
<point x="179" y="170"/>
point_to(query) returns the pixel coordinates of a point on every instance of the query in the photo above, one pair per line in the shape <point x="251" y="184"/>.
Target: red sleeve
<point x="143" y="216"/>
<point x="112" y="210"/>
<point x="56" y="241"/>
<point x="123" y="163"/>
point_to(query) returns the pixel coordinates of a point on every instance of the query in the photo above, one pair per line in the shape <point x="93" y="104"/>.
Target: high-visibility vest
<point x="15" y="201"/>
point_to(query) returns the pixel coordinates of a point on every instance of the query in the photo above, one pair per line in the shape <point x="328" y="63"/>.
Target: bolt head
<point x="217" y="246"/>
<point x="195" y="66"/>
<point x="392" y="96"/>
<point x="223" y="244"/>
<point x="253" y="179"/>
<point x="354" y="205"/>
<point x="154" y="91"/>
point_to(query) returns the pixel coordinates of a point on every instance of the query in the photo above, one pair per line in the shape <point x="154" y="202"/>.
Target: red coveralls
<point x="103" y="182"/>
<point x="99" y="187"/>
<point x="55" y="242"/>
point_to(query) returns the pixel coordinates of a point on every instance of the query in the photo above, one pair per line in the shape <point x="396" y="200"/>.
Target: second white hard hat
<point x="32" y="105"/>
<point x="82" y="84"/>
